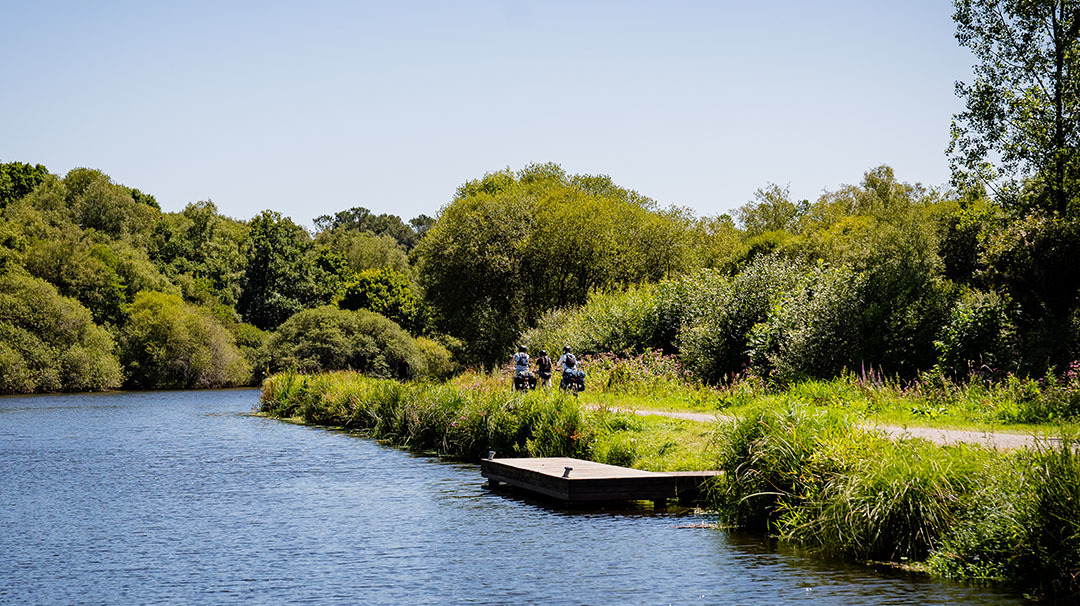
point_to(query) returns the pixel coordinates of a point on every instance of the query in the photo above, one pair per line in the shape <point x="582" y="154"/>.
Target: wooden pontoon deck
<point x="577" y="481"/>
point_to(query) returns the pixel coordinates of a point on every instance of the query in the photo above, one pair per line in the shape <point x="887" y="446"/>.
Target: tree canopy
<point x="1021" y="119"/>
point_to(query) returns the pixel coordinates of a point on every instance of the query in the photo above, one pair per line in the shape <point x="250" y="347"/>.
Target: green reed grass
<point x="473" y="414"/>
<point x="809" y="476"/>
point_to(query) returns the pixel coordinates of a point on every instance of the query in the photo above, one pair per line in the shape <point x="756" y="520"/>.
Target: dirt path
<point x="996" y="440"/>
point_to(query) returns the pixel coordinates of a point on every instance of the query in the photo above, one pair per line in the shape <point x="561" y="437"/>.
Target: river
<point x="185" y="498"/>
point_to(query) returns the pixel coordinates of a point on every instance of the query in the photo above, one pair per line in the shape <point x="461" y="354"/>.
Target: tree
<point x="203" y="244"/>
<point x="18" y="179"/>
<point x="772" y="210"/>
<point x="49" y="342"/>
<point x="168" y="343"/>
<point x="1024" y="103"/>
<point x="364" y="250"/>
<point x="276" y="282"/>
<point x="384" y="291"/>
<point x="512" y="245"/>
<point x="361" y="219"/>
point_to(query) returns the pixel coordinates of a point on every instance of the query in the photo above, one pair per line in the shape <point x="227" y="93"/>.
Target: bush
<point x="814" y="331"/>
<point x="328" y="338"/>
<point x="623" y="322"/>
<point x="978" y="336"/>
<point x="714" y="344"/>
<point x="168" y="343"/>
<point x="49" y="342"/>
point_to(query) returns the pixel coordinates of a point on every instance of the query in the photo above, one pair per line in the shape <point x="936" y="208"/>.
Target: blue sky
<point x="313" y="107"/>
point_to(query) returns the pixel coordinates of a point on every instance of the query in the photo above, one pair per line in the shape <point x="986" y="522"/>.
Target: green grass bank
<point x="794" y="467"/>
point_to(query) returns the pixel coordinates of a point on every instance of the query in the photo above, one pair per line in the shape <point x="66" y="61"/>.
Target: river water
<point x="185" y="498"/>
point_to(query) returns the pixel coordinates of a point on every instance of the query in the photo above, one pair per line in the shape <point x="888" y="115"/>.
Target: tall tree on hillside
<point x="1023" y="107"/>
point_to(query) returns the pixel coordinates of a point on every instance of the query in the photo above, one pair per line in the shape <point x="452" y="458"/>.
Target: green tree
<point x="384" y="291"/>
<point x="1023" y="106"/>
<point x="772" y="210"/>
<point x="277" y="279"/>
<point x="512" y="245"/>
<point x="201" y="243"/>
<point x="168" y="343"/>
<point x="364" y="250"/>
<point x="358" y="218"/>
<point x="18" y="179"/>
<point x="49" y="342"/>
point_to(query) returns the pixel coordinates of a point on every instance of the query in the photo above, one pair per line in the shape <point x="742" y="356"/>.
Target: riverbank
<point x="809" y="475"/>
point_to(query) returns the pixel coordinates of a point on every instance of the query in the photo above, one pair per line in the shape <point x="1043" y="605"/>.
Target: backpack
<point x="570" y="361"/>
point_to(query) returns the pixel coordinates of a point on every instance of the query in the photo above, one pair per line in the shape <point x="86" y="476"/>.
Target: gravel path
<point x="995" y="440"/>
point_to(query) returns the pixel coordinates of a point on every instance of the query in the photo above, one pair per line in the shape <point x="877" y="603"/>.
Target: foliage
<point x="168" y="343"/>
<point x="980" y="335"/>
<point x="1033" y="261"/>
<point x="360" y="219"/>
<point x="1023" y="106"/>
<point x="277" y="279"/>
<point x="772" y="210"/>
<point x="329" y="338"/>
<point x="511" y="246"/>
<point x="49" y="342"/>
<point x="386" y="292"/>
<point x="200" y="243"/>
<point x="18" y="179"/>
<point x="364" y="250"/>
<point x="713" y="343"/>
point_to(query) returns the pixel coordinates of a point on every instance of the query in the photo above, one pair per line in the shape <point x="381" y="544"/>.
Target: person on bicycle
<point x="543" y="368"/>
<point x="566" y="357"/>
<point x="573" y="378"/>
<point x="523" y="377"/>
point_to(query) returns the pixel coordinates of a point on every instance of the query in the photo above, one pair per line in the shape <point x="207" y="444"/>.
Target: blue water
<point x="184" y="498"/>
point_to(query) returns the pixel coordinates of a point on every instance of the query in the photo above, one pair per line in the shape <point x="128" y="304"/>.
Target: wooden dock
<point x="574" y="481"/>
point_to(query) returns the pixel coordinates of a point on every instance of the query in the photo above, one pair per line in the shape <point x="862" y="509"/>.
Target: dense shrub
<point x="168" y="343"/>
<point x="621" y="321"/>
<point x="814" y="329"/>
<point x="49" y="342"/>
<point x="713" y="342"/>
<point x="979" y="337"/>
<point x="329" y="338"/>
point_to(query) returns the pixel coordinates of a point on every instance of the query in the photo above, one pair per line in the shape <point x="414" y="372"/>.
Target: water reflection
<point x="183" y="498"/>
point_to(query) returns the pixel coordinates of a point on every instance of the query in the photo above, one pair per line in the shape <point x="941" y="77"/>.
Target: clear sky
<point x="313" y="107"/>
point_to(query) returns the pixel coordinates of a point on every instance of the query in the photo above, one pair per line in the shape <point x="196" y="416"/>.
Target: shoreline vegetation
<point x="796" y="465"/>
